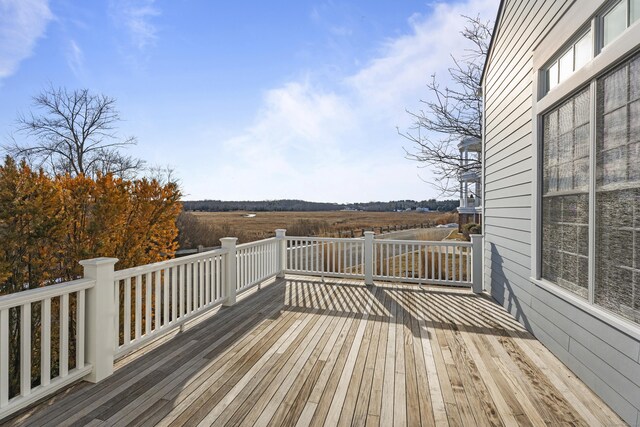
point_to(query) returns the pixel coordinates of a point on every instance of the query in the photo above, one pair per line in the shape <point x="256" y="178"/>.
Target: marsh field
<point x="205" y="228"/>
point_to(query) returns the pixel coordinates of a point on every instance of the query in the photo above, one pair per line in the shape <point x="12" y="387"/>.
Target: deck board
<point x="303" y="351"/>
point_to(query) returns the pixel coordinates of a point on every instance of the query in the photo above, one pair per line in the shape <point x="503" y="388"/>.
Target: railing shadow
<point x="182" y="364"/>
<point x="442" y="307"/>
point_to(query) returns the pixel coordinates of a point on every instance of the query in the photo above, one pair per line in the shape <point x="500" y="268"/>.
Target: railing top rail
<point x="143" y="269"/>
<point x="256" y="243"/>
<point x="326" y="239"/>
<point x="425" y="242"/>
<point x="39" y="294"/>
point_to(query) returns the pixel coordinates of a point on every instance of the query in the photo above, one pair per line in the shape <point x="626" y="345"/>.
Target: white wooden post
<point x="100" y="312"/>
<point x="281" y="257"/>
<point x="476" y="259"/>
<point x="368" y="257"/>
<point x="229" y="243"/>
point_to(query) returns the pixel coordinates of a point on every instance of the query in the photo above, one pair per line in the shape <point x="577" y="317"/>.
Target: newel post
<point x="281" y="257"/>
<point x="476" y="259"/>
<point x="229" y="243"/>
<point x="101" y="312"/>
<point x="368" y="257"/>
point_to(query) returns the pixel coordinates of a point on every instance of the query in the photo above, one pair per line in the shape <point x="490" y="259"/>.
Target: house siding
<point x="605" y="358"/>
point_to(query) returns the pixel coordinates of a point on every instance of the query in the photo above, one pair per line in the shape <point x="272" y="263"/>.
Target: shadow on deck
<point x="304" y="352"/>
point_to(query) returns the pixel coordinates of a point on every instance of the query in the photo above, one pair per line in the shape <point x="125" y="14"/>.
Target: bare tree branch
<point x="74" y="132"/>
<point x="452" y="113"/>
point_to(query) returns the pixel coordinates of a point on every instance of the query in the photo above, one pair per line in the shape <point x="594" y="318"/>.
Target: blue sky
<point x="250" y="99"/>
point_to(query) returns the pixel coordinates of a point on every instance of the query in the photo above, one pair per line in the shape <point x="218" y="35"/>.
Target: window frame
<point x="569" y="46"/>
<point x="604" y="59"/>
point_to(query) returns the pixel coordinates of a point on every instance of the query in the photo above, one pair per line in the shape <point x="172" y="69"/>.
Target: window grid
<point x="617" y="221"/>
<point x="565" y="196"/>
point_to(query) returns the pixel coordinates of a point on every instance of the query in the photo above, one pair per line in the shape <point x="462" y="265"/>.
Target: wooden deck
<point x="303" y="352"/>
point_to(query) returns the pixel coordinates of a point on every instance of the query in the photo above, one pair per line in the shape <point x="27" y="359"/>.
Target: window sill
<point x="625" y="326"/>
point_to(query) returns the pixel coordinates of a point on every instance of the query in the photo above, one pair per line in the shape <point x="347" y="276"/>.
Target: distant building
<point x="470" y="209"/>
<point x="422" y="209"/>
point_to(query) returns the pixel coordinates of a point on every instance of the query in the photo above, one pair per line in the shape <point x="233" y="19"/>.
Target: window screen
<point x="565" y="195"/>
<point x="617" y="253"/>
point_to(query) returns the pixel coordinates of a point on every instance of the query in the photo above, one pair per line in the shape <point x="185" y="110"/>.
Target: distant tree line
<point x="304" y="206"/>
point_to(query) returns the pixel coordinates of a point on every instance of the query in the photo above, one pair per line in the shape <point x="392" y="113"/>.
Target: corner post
<point x="229" y="243"/>
<point x="281" y="256"/>
<point x="101" y="313"/>
<point x="368" y="258"/>
<point x="476" y="259"/>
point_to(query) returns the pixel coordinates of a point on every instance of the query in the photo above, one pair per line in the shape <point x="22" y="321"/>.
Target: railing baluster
<point x="127" y="311"/>
<point x="334" y="268"/>
<point x="413" y="260"/>
<point x="4" y="357"/>
<point x="80" y="318"/>
<point x="181" y="290"/>
<point x="221" y="275"/>
<point x="351" y="254"/>
<point x="201" y="282"/>
<point x="433" y="262"/>
<point x="207" y="281"/>
<point x="406" y="259"/>
<point x="468" y="275"/>
<point x="64" y="335"/>
<point x="138" y="308"/>
<point x="446" y="263"/>
<point x="25" y="349"/>
<point x="166" y="282"/>
<point x="147" y="304"/>
<point x="116" y="318"/>
<point x="174" y="294"/>
<point x="393" y="258"/>
<point x="45" y="343"/>
<point x="157" y="310"/>
<point x="189" y="284"/>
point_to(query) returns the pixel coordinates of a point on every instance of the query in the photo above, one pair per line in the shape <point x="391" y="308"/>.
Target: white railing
<point x="256" y="262"/>
<point x="32" y="322"/>
<point x="437" y="263"/>
<point x="154" y="298"/>
<point x="325" y="256"/>
<point x="115" y="312"/>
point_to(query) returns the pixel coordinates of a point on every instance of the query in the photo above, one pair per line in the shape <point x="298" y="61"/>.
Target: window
<point x="565" y="195"/>
<point x="614" y="22"/>
<point x="583" y="50"/>
<point x="569" y="61"/>
<point x="609" y="26"/>
<point x="567" y="150"/>
<point x="619" y="18"/>
<point x="617" y="254"/>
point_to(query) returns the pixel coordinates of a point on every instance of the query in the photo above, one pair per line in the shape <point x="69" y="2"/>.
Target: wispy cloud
<point x="75" y="58"/>
<point x="22" y="23"/>
<point x="338" y="141"/>
<point x="136" y="16"/>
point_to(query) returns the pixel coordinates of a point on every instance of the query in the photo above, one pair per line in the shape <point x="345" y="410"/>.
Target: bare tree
<point x="74" y="132"/>
<point x="452" y="113"/>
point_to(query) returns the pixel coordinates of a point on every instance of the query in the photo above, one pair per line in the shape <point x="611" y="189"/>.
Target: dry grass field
<point x="328" y="223"/>
<point x="206" y="228"/>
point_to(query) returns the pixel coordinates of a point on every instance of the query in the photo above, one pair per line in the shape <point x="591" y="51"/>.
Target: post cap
<point x="280" y="232"/>
<point x="226" y="241"/>
<point x="98" y="261"/>
<point x="371" y="233"/>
